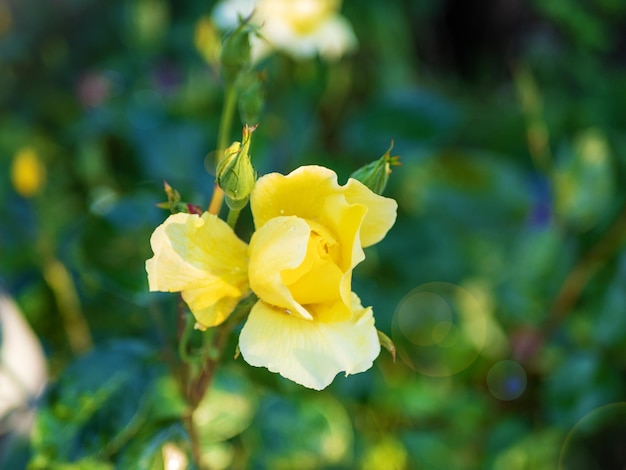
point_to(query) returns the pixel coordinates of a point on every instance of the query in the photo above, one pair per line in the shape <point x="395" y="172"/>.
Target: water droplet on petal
<point x="292" y="228"/>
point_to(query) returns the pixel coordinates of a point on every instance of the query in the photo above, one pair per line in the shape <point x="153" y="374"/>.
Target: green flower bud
<point x="235" y="174"/>
<point x="235" y="55"/>
<point x="375" y="175"/>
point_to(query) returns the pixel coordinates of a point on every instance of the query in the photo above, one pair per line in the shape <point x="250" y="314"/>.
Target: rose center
<point x="318" y="278"/>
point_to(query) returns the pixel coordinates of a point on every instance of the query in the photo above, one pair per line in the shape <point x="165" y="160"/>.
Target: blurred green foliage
<point x="509" y="244"/>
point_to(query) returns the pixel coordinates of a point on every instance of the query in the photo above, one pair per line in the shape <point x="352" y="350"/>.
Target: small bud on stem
<point x="235" y="173"/>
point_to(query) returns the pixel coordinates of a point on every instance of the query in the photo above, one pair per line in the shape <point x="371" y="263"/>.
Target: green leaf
<point x="98" y="404"/>
<point x="166" y="400"/>
<point x="538" y="451"/>
<point x="313" y="432"/>
<point x="148" y="450"/>
<point x="82" y="464"/>
<point x="227" y="409"/>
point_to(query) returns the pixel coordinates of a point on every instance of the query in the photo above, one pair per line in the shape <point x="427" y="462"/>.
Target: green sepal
<point x="375" y="175"/>
<point x="174" y="203"/>
<point x="386" y="342"/>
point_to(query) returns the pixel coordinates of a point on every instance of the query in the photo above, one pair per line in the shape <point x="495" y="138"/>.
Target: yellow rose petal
<point x="337" y="217"/>
<point x="381" y="213"/>
<point x="201" y="257"/>
<point x="305" y="191"/>
<point x="319" y="280"/>
<point x="318" y="283"/>
<point x="302" y="192"/>
<point x="280" y="245"/>
<point x="308" y="352"/>
<point x="208" y="307"/>
<point x="345" y="220"/>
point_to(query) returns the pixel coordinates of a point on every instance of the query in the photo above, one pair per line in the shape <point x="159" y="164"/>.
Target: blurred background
<point x="502" y="284"/>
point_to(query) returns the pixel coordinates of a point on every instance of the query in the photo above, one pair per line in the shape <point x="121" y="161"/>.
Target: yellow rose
<point x="202" y="258"/>
<point x="307" y="325"/>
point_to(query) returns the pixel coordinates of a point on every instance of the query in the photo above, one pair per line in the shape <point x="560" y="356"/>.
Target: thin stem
<point x="162" y="332"/>
<point x="226" y="120"/>
<point x="233" y="215"/>
<point x="216" y="200"/>
<point x="223" y="136"/>
<point x="537" y="135"/>
<point x="197" y="384"/>
<point x="215" y="350"/>
<point x="609" y="244"/>
<point x="194" y="439"/>
<point x="212" y="352"/>
<point x="183" y="342"/>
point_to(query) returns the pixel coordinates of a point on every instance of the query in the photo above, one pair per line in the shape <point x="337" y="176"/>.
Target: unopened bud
<point x="235" y="174"/>
<point x="375" y="175"/>
<point x="235" y="55"/>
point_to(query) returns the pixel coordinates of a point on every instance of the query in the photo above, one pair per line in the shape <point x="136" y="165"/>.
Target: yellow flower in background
<point x="300" y="28"/>
<point x="202" y="258"/>
<point x="28" y="174"/>
<point x="308" y="325"/>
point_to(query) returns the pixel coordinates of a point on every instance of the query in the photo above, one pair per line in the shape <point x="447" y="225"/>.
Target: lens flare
<point x="596" y="442"/>
<point x="439" y="329"/>
<point x="506" y="380"/>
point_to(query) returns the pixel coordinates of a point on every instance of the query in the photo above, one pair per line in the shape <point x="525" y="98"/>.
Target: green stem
<point x="537" y="133"/>
<point x="233" y="215"/>
<point x="183" y="343"/>
<point x="212" y="344"/>
<point x="213" y="349"/>
<point x="223" y="136"/>
<point x="600" y="253"/>
<point x="226" y="121"/>
<point x="196" y="448"/>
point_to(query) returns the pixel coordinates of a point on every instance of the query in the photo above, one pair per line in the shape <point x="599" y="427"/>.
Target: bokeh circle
<point x="506" y="380"/>
<point x="439" y="329"/>
<point x="597" y="441"/>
